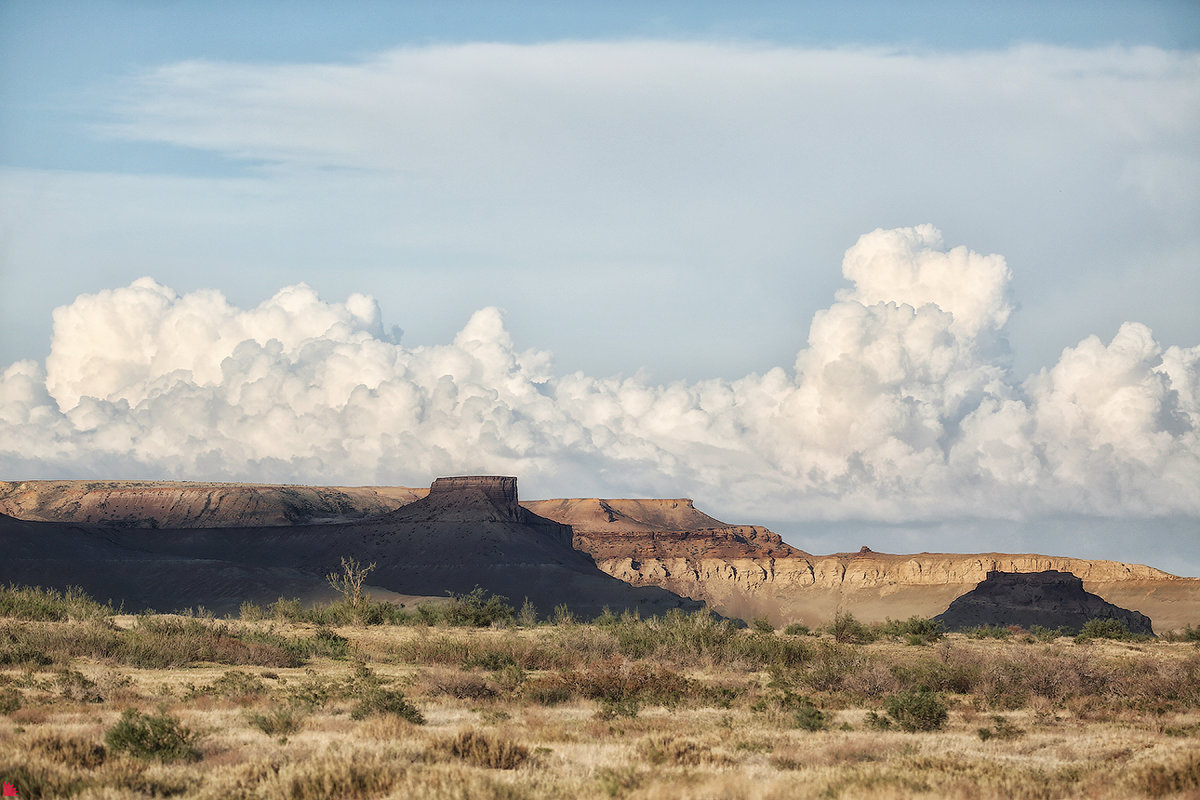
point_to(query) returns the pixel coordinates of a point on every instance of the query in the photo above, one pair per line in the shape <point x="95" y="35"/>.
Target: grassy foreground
<point x="474" y="701"/>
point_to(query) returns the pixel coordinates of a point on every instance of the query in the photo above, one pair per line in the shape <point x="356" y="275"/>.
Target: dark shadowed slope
<point x="1050" y="599"/>
<point x="468" y="532"/>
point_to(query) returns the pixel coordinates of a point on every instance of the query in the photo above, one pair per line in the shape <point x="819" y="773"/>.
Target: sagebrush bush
<point x="848" y="630"/>
<point x="379" y="700"/>
<point x="236" y="684"/>
<point x="914" y="630"/>
<point x="807" y="716"/>
<point x="1103" y="629"/>
<point x="677" y="751"/>
<point x="477" y="608"/>
<point x="74" y="685"/>
<point x="160" y="737"/>
<point x="10" y="699"/>
<point x="1001" y="728"/>
<point x="49" y="605"/>
<point x="280" y="720"/>
<point x="483" y="750"/>
<point x="917" y="710"/>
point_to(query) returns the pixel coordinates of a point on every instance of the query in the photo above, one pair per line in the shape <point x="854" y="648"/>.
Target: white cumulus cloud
<point x="900" y="407"/>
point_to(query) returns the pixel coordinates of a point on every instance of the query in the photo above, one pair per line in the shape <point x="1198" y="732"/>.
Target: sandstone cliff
<point x="747" y="571"/>
<point x="741" y="571"/>
<point x="465" y="532"/>
<point x="168" y="504"/>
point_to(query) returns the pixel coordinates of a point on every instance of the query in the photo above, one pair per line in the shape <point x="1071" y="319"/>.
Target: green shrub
<point x="612" y="707"/>
<point x="326" y="643"/>
<point x="379" y="700"/>
<point x="236" y="684"/>
<point x="49" y="605"/>
<point x="877" y="722"/>
<point x="160" y="737"/>
<point x="74" y="685"/>
<point x="283" y="610"/>
<point x="547" y="691"/>
<point x="1103" y="629"/>
<point x="668" y="749"/>
<point x="249" y="612"/>
<point x="763" y="625"/>
<point x="478" y="608"/>
<point x="527" y="617"/>
<point x="848" y="630"/>
<point x="914" y="630"/>
<point x="796" y="629"/>
<point x="1001" y="729"/>
<point x="10" y="699"/>
<point x="917" y="710"/>
<point x="279" y="721"/>
<point x="1188" y="634"/>
<point x="1044" y="634"/>
<point x="807" y="716"/>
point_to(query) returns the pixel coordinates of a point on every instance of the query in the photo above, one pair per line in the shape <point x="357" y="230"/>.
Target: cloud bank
<point x="901" y="407"/>
<point x="575" y="183"/>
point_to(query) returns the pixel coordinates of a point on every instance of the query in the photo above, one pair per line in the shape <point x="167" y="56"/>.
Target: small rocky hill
<point x="1050" y="599"/>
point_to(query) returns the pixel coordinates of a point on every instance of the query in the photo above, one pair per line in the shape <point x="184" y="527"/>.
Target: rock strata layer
<point x="747" y="571"/>
<point x="742" y="571"/>
<point x="466" y="532"/>
<point x="1050" y="599"/>
<point x="168" y="504"/>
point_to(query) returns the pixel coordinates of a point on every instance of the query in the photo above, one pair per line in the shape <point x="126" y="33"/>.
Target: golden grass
<point x="1103" y="720"/>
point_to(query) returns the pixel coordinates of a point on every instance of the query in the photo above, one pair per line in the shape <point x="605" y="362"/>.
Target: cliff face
<point x="739" y="570"/>
<point x="466" y="532"/>
<point x="747" y="571"/>
<point x="1050" y="599"/>
<point x="166" y="504"/>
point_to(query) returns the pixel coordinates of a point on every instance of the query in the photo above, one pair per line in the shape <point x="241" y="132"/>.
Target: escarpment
<point x="747" y="571"/>
<point x="744" y="571"/>
<point x="179" y="504"/>
<point x="465" y="532"/>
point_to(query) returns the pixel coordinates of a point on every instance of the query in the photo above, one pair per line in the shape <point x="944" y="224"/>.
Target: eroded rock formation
<point x="742" y="571"/>
<point x="1050" y="599"/>
<point x="169" y="504"/>
<point x="747" y="571"/>
<point x="466" y="532"/>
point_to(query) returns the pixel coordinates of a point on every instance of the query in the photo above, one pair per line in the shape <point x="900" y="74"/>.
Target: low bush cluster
<point x="483" y="750"/>
<point x="160" y="737"/>
<point x="917" y="710"/>
<point x="49" y="605"/>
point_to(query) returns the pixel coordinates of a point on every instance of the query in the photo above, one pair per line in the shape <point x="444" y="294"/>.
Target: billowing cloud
<point x="900" y="407"/>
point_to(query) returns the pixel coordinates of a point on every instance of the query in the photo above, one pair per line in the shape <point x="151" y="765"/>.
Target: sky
<point x="920" y="276"/>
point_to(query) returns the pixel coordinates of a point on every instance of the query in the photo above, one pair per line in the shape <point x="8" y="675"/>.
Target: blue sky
<point x="900" y="263"/>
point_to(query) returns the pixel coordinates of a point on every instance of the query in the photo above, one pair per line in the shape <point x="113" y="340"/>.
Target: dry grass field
<point x="469" y="700"/>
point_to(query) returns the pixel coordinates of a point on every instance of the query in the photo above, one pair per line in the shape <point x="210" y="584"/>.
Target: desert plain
<point x="596" y="672"/>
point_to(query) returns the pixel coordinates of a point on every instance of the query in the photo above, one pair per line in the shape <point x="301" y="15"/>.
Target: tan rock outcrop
<point x="171" y="504"/>
<point x="747" y="571"/>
